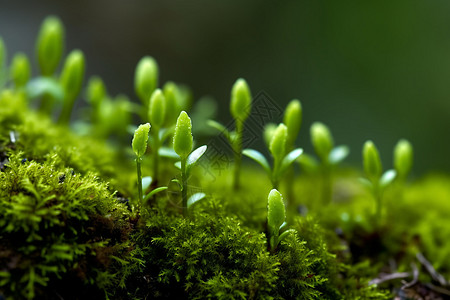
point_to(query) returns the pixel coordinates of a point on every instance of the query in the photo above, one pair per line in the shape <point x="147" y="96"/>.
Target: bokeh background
<point x="375" y="70"/>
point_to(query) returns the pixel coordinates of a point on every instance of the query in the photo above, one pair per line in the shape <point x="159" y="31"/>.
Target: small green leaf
<point x="366" y="183"/>
<point x="168" y="153"/>
<point x="172" y="96"/>
<point x="338" y="154"/>
<point x="146" y="181"/>
<point x="308" y="163"/>
<point x="283" y="226"/>
<point x="371" y="160"/>
<point x="177" y="165"/>
<point x="140" y="139"/>
<point x="278" y="143"/>
<point x="182" y="139"/>
<point x="50" y="45"/>
<point x="72" y="74"/>
<point x="146" y="78"/>
<point x="20" y="69"/>
<point x="241" y="100"/>
<point x="293" y="120"/>
<point x="285" y="234"/>
<point x="276" y="211"/>
<point x="195" y="198"/>
<point x="290" y="158"/>
<point x="154" y="192"/>
<point x="258" y="157"/>
<point x="157" y="109"/>
<point x="39" y="86"/>
<point x="195" y="155"/>
<point x="269" y="132"/>
<point x="96" y="91"/>
<point x="387" y="178"/>
<point x="322" y="140"/>
<point x="403" y="157"/>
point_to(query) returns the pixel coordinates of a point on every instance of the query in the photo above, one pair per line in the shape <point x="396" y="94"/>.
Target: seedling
<point x="146" y="80"/>
<point x="281" y="160"/>
<point x="96" y="94"/>
<point x="182" y="144"/>
<point x="403" y="159"/>
<point x="71" y="81"/>
<point x="376" y="180"/>
<point x="276" y="217"/>
<point x="240" y="107"/>
<point x="171" y="93"/>
<point x="20" y="71"/>
<point x="50" y="45"/>
<point x="156" y="115"/>
<point x="139" y="144"/>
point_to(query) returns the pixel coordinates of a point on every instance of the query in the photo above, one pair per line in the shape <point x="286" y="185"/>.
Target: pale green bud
<point x="2" y="53"/>
<point x="72" y="74"/>
<point x="269" y="132"/>
<point x="50" y="45"/>
<point x="275" y="210"/>
<point x="146" y="78"/>
<point x="171" y="94"/>
<point x="96" y="90"/>
<point x="157" y="108"/>
<point x="322" y="140"/>
<point x="182" y="138"/>
<point x="140" y="139"/>
<point x="278" y="143"/>
<point x="403" y="157"/>
<point x="20" y="70"/>
<point x="241" y="100"/>
<point x="293" y="120"/>
<point x="371" y="160"/>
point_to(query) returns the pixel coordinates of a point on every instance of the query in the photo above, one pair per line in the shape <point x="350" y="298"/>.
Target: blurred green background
<point x="375" y="70"/>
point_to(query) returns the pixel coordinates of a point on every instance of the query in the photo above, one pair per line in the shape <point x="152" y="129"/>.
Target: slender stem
<point x="327" y="185"/>
<point x="275" y="175"/>
<point x="378" y="203"/>
<point x="47" y="103"/>
<point x="139" y="179"/>
<point x="64" y="117"/>
<point x="156" y="157"/>
<point x="184" y="185"/>
<point x="237" y="153"/>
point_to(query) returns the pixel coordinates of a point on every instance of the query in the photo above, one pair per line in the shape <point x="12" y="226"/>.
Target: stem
<point x="237" y="153"/>
<point x="64" y="117"/>
<point x="378" y="203"/>
<point x="184" y="185"/>
<point x="139" y="179"/>
<point x="327" y="185"/>
<point x="156" y="157"/>
<point x="275" y="175"/>
<point x="47" y="102"/>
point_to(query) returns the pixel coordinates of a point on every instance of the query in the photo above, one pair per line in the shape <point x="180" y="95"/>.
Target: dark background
<point x="375" y="70"/>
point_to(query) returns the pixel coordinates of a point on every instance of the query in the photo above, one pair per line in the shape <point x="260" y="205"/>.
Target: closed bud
<point x="140" y="139"/>
<point x="96" y="91"/>
<point x="275" y="210"/>
<point x="72" y="74"/>
<point x="20" y="70"/>
<point x="371" y="160"/>
<point x="403" y="157"/>
<point x="322" y="140"/>
<point x="182" y="138"/>
<point x="172" y="96"/>
<point x="157" y="108"/>
<point x="241" y="100"/>
<point x="278" y="143"/>
<point x="146" y="78"/>
<point x="2" y="53"/>
<point x="50" y="45"/>
<point x="293" y="120"/>
<point x="269" y="131"/>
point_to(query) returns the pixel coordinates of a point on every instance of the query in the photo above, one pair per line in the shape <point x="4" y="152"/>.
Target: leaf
<point x="387" y="178"/>
<point x="168" y="153"/>
<point x="39" y="86"/>
<point x="308" y="163"/>
<point x="338" y="154"/>
<point x="195" y="155"/>
<point x="290" y="158"/>
<point x="285" y="234"/>
<point x="220" y="128"/>
<point x="146" y="181"/>
<point x="195" y="198"/>
<point x="366" y="182"/>
<point x="155" y="191"/>
<point x="283" y="226"/>
<point x="258" y="157"/>
<point x="177" y="165"/>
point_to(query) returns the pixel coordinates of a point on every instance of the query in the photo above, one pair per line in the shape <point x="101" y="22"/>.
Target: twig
<point x="388" y="277"/>
<point x="408" y="285"/>
<point x="438" y="289"/>
<point x="434" y="274"/>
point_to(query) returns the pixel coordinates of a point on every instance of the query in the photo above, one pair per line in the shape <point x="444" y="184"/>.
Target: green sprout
<point x="171" y="93"/>
<point x="20" y="71"/>
<point x="139" y="145"/>
<point x="376" y="180"/>
<point x="50" y="45"/>
<point x="156" y="115"/>
<point x="240" y="107"/>
<point x="95" y="94"/>
<point x="281" y="160"/>
<point x="146" y="80"/>
<point x="403" y="158"/>
<point x="71" y="81"/>
<point x="182" y="145"/>
<point x="276" y="217"/>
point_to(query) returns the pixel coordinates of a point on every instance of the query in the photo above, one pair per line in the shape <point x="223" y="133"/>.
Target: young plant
<point x="139" y="145"/>
<point x="240" y="107"/>
<point x="403" y="159"/>
<point x="20" y="71"/>
<point x="276" y="217"/>
<point x="71" y="81"/>
<point x="156" y="115"/>
<point x="146" y="80"/>
<point x="376" y="180"/>
<point x="281" y="160"/>
<point x="96" y="94"/>
<point x="182" y="145"/>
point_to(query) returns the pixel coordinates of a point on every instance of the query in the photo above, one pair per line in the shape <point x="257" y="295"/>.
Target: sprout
<point x="322" y="140"/>
<point x="293" y="120"/>
<point x="96" y="91"/>
<point x="146" y="78"/>
<point x="403" y="158"/>
<point x="71" y="81"/>
<point x="240" y="104"/>
<point x="49" y="45"/>
<point x="278" y="143"/>
<point x="140" y="139"/>
<point x="372" y="162"/>
<point x="171" y="94"/>
<point x="182" y="139"/>
<point x="20" y="70"/>
<point x="276" y="217"/>
<point x="269" y="131"/>
<point x="156" y="114"/>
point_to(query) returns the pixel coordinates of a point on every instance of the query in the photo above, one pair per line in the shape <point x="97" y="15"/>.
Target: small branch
<point x="408" y="285"/>
<point x="434" y="274"/>
<point x="388" y="277"/>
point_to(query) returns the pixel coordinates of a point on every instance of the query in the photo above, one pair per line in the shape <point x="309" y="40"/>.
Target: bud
<point x="72" y="75"/>
<point x="96" y="90"/>
<point x="293" y="120"/>
<point x="269" y="132"/>
<point x="140" y="139"/>
<point x="49" y="45"/>
<point x="20" y="70"/>
<point x="182" y="138"/>
<point x="371" y="160"/>
<point x="403" y="157"/>
<point x="322" y="140"/>
<point x="170" y="91"/>
<point x="2" y="53"/>
<point x="157" y="109"/>
<point x="275" y="210"/>
<point x="146" y="78"/>
<point x="241" y="100"/>
<point x="278" y="143"/>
